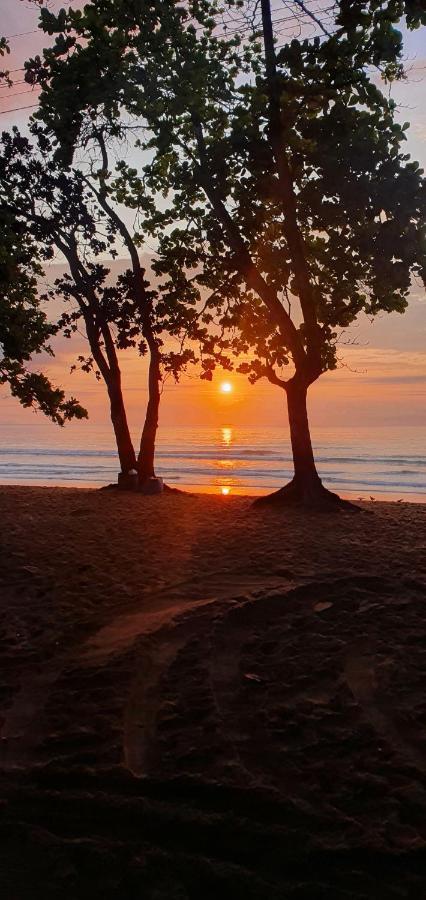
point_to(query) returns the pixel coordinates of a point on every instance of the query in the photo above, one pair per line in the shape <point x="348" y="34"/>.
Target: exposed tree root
<point x="313" y="496"/>
<point x="137" y="490"/>
<point x="172" y="490"/>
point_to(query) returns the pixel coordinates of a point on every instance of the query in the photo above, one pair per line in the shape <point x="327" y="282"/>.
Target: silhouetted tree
<point x="4" y="49"/>
<point x="284" y="172"/>
<point x="76" y="214"/>
<point x="24" y="328"/>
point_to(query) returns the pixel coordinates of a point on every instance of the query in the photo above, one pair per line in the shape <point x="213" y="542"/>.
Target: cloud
<point x="384" y="363"/>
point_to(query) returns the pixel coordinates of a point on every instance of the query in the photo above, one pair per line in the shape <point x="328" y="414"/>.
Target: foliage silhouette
<point x="289" y="194"/>
<point x="76" y="213"/>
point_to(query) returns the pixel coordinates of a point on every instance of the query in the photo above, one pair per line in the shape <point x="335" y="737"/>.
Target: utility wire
<point x="19" y="93"/>
<point x="298" y="20"/>
<point x="4" y="112"/>
<point x="14" y="83"/>
<point x="225" y="32"/>
<point x="311" y="15"/>
<point x="21" y="34"/>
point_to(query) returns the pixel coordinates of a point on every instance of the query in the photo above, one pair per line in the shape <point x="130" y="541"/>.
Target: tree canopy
<point x="287" y="192"/>
<point x="81" y="214"/>
<point x="24" y="328"/>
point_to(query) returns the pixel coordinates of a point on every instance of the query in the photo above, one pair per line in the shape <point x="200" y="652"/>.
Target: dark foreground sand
<point x="200" y="700"/>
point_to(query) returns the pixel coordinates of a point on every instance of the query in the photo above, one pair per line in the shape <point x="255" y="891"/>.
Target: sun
<point x="226" y="387"/>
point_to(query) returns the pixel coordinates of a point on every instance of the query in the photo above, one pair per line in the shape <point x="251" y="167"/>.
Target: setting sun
<point x="226" y="387"/>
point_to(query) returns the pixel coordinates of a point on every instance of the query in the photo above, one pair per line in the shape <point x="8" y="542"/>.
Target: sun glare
<point x="226" y="387"/>
<point x="225" y="490"/>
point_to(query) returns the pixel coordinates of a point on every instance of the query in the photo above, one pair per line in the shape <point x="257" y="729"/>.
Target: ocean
<point x="385" y="463"/>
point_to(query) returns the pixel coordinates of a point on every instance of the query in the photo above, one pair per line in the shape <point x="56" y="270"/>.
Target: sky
<point x="381" y="379"/>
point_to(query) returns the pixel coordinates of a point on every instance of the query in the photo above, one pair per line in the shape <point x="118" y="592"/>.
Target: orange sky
<point x="380" y="386"/>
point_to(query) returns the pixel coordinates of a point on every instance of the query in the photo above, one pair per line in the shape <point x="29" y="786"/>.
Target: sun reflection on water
<point x="227" y="435"/>
<point x="225" y="485"/>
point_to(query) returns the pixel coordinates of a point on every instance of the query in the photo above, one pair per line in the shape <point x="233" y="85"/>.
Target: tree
<point x="288" y="171"/>
<point x="4" y="49"/>
<point x="76" y="214"/>
<point x="24" y="328"/>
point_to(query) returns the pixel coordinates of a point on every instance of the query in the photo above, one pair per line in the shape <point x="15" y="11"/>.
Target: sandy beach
<point x="200" y="699"/>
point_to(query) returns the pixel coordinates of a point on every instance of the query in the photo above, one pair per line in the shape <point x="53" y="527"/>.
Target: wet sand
<point x="200" y="699"/>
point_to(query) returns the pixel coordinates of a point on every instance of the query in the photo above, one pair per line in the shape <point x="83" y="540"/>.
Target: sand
<point x="203" y="700"/>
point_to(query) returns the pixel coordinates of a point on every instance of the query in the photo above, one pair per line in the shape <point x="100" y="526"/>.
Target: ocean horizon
<point x="387" y="462"/>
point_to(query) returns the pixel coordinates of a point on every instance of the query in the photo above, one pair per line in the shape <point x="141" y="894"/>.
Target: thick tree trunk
<point x="305" y="472"/>
<point x="306" y="488"/>
<point x="125" y="448"/>
<point x="146" y="458"/>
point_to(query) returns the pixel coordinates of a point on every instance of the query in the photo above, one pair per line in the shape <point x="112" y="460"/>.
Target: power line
<point x="225" y="31"/>
<point x="14" y="83"/>
<point x="289" y="31"/>
<point x="4" y="112"/>
<point x="298" y="20"/>
<point x="19" y="93"/>
<point x="21" y="34"/>
<point x="298" y="16"/>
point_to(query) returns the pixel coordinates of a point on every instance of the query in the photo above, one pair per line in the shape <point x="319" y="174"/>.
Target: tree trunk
<point x="111" y="374"/>
<point x="125" y="448"/>
<point x="306" y="488"/>
<point x="146" y="463"/>
<point x="306" y="477"/>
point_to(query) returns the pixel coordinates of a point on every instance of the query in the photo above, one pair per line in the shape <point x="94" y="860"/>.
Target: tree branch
<point x="143" y="303"/>
<point x="273" y="378"/>
<point x="311" y="15"/>
<point x="243" y="260"/>
<point x="90" y="310"/>
<point x="291" y="226"/>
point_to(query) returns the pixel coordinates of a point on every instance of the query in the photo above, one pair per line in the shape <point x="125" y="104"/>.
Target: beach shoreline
<point x="232" y="491"/>
<point x="201" y="697"/>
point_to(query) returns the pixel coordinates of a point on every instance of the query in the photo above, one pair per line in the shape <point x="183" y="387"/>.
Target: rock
<point x="128" y="481"/>
<point x="152" y="486"/>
